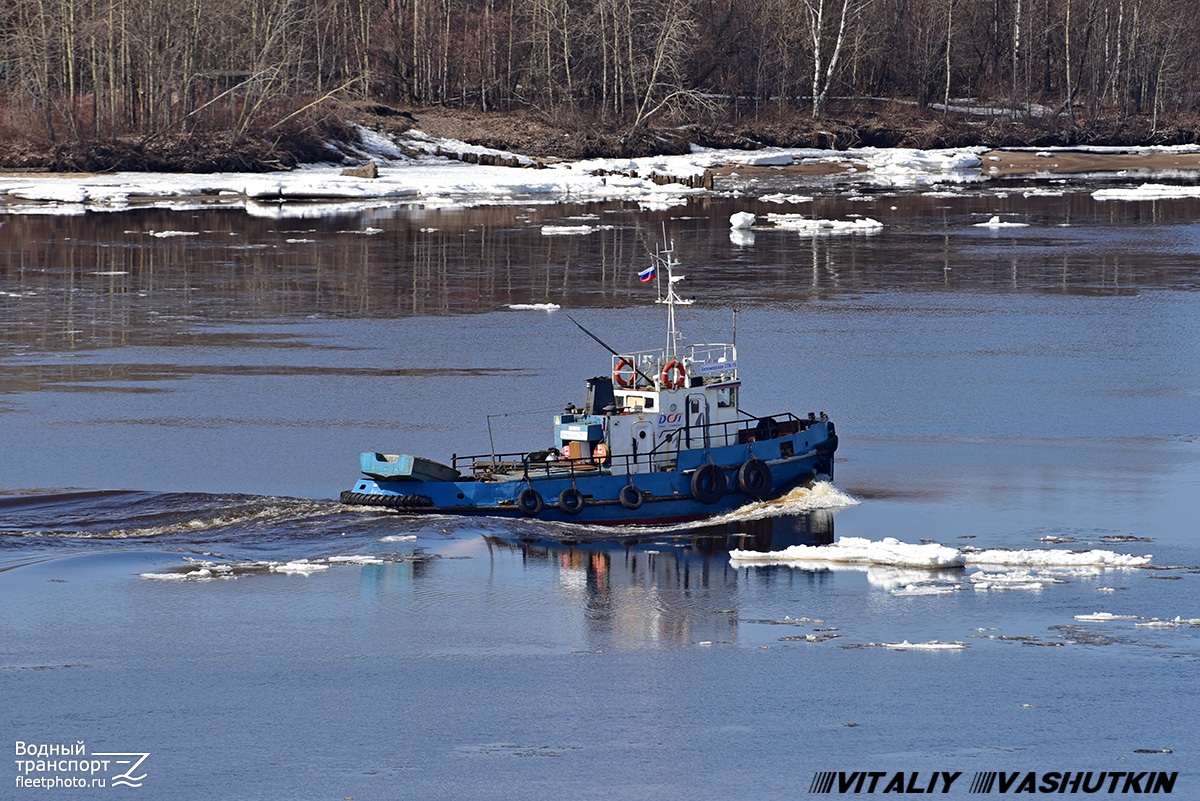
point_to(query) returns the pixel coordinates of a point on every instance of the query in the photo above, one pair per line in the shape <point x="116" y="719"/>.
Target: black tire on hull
<point x="389" y="501"/>
<point x="754" y="478"/>
<point x="708" y="483"/>
<point x="631" y="497"/>
<point x="571" y="501"/>
<point x="530" y="502"/>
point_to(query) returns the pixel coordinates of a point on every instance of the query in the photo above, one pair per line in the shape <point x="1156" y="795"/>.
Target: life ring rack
<point x="673" y="374"/>
<point x="625" y="372"/>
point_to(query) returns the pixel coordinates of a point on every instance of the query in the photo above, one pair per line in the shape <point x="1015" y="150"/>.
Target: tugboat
<point x="660" y="439"/>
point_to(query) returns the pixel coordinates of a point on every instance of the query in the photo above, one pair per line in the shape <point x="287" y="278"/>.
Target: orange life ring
<point x="673" y="374"/>
<point x="600" y="453"/>
<point x="625" y="372"/>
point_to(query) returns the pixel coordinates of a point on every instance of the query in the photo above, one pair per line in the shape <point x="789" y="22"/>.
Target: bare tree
<point x="827" y="22"/>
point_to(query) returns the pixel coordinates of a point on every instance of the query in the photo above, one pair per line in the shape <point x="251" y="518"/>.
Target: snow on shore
<point x="434" y="173"/>
<point x="417" y="170"/>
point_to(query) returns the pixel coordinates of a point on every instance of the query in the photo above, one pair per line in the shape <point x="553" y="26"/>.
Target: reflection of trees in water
<point x="146" y="276"/>
<point x="677" y="587"/>
<point x="150" y="276"/>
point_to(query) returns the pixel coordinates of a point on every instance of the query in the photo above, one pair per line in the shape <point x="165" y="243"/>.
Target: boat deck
<point x="523" y="471"/>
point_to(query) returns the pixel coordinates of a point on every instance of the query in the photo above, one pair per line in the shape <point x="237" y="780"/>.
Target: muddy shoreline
<point x="857" y="125"/>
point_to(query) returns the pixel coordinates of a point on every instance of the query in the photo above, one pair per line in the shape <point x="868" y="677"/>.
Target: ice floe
<point x="779" y="197"/>
<point x="570" y="230"/>
<point x="205" y="570"/>
<point x="546" y="307"/>
<point x="859" y="551"/>
<point x="1175" y="623"/>
<point x="890" y="551"/>
<point x="1147" y="192"/>
<point x="932" y="645"/>
<point x="926" y="589"/>
<point x="299" y="567"/>
<point x="1040" y="557"/>
<point x="807" y="225"/>
<point x="1016" y="580"/>
<point x="741" y="220"/>
<point x="1104" y="617"/>
<point x="996" y="222"/>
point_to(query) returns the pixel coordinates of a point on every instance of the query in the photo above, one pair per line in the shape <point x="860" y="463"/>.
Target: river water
<point x="184" y="394"/>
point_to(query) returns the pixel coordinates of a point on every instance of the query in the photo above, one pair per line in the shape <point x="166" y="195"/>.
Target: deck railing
<point x="715" y="361"/>
<point x="663" y="456"/>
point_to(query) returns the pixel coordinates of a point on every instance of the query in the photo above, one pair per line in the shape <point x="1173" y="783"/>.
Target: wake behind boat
<point x="660" y="439"/>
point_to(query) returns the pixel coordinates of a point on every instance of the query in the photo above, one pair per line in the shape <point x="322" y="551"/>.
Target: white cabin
<point x="662" y="401"/>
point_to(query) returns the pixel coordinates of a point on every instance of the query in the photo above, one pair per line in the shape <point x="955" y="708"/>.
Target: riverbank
<point x="857" y="123"/>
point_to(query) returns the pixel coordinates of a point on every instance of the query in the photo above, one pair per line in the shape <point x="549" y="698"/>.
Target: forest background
<point x="263" y="84"/>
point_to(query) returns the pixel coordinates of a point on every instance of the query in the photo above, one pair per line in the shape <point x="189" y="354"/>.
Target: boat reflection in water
<point x="679" y="587"/>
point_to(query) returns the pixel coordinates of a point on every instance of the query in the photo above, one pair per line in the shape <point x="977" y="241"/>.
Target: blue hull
<point x="601" y="495"/>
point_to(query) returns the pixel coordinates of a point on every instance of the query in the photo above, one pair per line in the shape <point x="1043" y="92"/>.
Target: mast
<point x="666" y="260"/>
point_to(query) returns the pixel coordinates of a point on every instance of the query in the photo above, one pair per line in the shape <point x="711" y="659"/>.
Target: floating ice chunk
<point x="932" y="645"/>
<point x="779" y="197"/>
<point x="1147" y="192"/>
<point x="1178" y="622"/>
<point x="741" y="220"/>
<point x="1022" y="579"/>
<point x="798" y="222"/>
<point x="163" y="576"/>
<point x="858" y="550"/>
<point x="203" y="573"/>
<point x="1103" y="617"/>
<point x="566" y="230"/>
<point x="661" y="204"/>
<point x="398" y="538"/>
<point x="1055" y="558"/>
<point x="889" y="551"/>
<point x="996" y="222"/>
<point x="985" y="586"/>
<point x="547" y="307"/>
<point x="357" y="559"/>
<point x="926" y="589"/>
<point x="168" y="234"/>
<point x="301" y="567"/>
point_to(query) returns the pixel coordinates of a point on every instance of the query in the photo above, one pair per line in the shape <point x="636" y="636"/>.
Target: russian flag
<point x="647" y="274"/>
